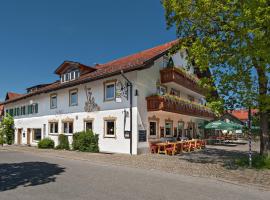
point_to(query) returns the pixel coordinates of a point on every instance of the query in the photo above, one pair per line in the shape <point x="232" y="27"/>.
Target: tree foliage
<point x="231" y="38"/>
<point x="7" y="130"/>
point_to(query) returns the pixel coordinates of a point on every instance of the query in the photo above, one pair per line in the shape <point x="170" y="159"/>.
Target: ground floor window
<point x="168" y="128"/>
<point x="88" y="125"/>
<point x="109" y="128"/>
<point x="37" y="134"/>
<point x="153" y="128"/>
<point x="180" y="129"/>
<point x="53" y="127"/>
<point x="68" y="127"/>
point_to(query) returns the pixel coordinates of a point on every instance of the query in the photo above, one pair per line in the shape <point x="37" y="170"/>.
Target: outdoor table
<point x="162" y="147"/>
<point x="181" y="144"/>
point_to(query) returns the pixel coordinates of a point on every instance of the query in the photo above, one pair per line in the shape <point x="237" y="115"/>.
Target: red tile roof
<point x="12" y="95"/>
<point x="135" y="61"/>
<point x="242" y="114"/>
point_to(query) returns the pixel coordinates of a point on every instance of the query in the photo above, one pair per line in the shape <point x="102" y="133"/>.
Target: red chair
<point x="153" y="147"/>
<point x="171" y="149"/>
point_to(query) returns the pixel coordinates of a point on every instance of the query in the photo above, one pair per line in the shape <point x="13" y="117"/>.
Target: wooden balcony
<point x="177" y="105"/>
<point x="172" y="74"/>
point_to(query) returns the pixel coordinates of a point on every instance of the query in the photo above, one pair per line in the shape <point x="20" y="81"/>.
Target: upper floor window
<point x="162" y="90"/>
<point x="69" y="76"/>
<point x="191" y="98"/>
<point x="175" y="92"/>
<point x="73" y="97"/>
<point x="53" y="101"/>
<point x="109" y="91"/>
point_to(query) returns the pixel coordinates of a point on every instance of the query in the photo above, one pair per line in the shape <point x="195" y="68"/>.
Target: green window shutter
<point x="36" y="108"/>
<point x="29" y="109"/>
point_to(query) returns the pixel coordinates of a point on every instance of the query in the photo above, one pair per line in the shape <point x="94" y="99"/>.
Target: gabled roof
<point x="12" y="95"/>
<point x="229" y="115"/>
<point x="129" y="63"/>
<point x="243" y="114"/>
<point x="67" y="64"/>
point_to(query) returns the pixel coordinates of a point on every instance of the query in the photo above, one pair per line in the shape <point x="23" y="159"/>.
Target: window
<point x="23" y="110"/>
<point x="66" y="77"/>
<point x="73" y="98"/>
<point x="191" y="98"/>
<point x="11" y="112"/>
<point x="110" y="91"/>
<point x="175" y="92"/>
<point x="168" y="128"/>
<point x="109" y="128"/>
<point x="162" y="90"/>
<point x="69" y="76"/>
<point x="37" y="134"/>
<point x="35" y="108"/>
<point x="53" y="101"/>
<point x="153" y="128"/>
<point x="88" y="125"/>
<point x="18" y="111"/>
<point x="68" y="127"/>
<point x="180" y="129"/>
<point x="30" y="109"/>
<point x="53" y="127"/>
<point x="77" y="74"/>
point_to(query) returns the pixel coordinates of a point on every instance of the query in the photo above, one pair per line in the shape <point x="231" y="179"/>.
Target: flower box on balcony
<point x="181" y="77"/>
<point x="175" y="104"/>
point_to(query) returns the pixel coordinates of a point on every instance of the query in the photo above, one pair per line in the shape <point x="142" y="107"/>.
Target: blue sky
<point x="37" y="36"/>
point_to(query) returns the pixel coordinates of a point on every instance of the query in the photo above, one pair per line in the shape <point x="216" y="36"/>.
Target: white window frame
<point x="105" y="91"/>
<point x="51" y="97"/>
<point x="71" y="92"/>
<point x="105" y="128"/>
<point x="33" y="132"/>
<point x="53" y="124"/>
<point x="156" y="128"/>
<point x="171" y="134"/>
<point x="68" y="132"/>
<point x="88" y="121"/>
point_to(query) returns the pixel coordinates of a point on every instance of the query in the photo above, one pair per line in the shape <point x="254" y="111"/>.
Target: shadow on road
<point x="27" y="174"/>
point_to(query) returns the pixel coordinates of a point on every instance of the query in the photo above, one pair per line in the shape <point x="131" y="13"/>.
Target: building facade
<point x="166" y="102"/>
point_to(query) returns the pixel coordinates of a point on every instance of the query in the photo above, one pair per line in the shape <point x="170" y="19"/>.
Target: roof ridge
<point x="99" y="66"/>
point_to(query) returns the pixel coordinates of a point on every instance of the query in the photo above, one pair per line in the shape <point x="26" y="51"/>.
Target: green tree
<point x="7" y="129"/>
<point x="231" y="38"/>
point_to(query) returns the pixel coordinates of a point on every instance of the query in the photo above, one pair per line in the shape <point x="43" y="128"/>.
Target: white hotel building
<point x="167" y="102"/>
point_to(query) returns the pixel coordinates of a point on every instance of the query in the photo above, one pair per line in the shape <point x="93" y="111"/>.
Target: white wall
<point x="107" y="109"/>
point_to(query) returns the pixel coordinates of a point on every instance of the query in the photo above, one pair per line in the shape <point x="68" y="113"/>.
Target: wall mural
<point x="121" y="91"/>
<point x="90" y="104"/>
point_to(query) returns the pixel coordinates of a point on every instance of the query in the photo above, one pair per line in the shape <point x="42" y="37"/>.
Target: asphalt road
<point x="27" y="176"/>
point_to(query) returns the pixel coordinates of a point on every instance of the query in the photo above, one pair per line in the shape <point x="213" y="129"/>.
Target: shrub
<point x="63" y="142"/>
<point x="85" y="141"/>
<point x="258" y="162"/>
<point x="46" y="143"/>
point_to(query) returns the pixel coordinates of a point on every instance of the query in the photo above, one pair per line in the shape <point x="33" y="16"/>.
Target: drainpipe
<point x="130" y="107"/>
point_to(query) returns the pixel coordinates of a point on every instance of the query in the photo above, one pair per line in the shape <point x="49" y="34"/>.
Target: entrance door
<point x="19" y="136"/>
<point x="28" y="136"/>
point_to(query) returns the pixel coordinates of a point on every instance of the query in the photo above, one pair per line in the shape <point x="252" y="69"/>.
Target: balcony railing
<point x="169" y="103"/>
<point x="173" y="74"/>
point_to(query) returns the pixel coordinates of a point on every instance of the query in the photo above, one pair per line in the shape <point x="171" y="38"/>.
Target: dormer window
<point x="70" y="76"/>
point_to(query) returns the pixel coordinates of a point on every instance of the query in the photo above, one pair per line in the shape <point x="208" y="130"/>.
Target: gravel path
<point x="214" y="162"/>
